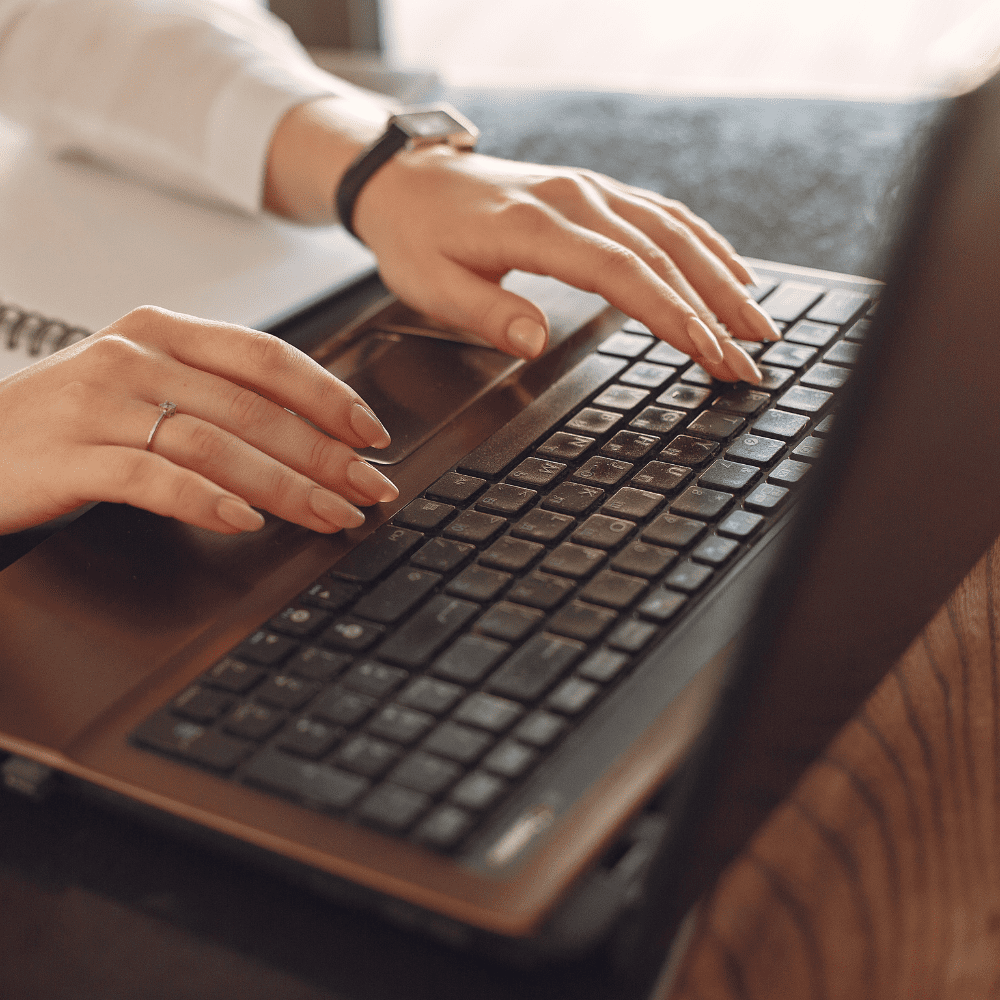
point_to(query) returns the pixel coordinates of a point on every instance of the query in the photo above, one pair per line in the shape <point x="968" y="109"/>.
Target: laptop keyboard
<point x="426" y="674"/>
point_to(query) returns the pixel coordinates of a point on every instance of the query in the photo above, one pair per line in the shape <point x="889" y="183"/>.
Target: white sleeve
<point x="186" y="93"/>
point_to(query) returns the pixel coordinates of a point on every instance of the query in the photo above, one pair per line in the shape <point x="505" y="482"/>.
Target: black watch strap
<point x="414" y="128"/>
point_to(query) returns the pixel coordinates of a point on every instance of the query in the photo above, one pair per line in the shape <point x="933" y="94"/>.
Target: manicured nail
<point x="368" y="481"/>
<point x="527" y="337"/>
<point x="743" y="273"/>
<point x="368" y="427"/>
<point x="741" y="363"/>
<point x="239" y="515"/>
<point x="335" y="510"/>
<point x="759" y="321"/>
<point x="704" y="339"/>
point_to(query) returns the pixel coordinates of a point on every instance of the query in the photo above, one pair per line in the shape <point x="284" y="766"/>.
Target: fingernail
<point x="239" y="515"/>
<point x="742" y="271"/>
<point x="741" y="363"/>
<point x="704" y="339"/>
<point x="367" y="480"/>
<point x="335" y="510"/>
<point x="527" y="337"/>
<point x="759" y="321"/>
<point x="368" y="427"/>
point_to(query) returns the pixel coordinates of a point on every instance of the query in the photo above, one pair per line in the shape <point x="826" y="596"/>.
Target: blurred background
<point x="862" y="49"/>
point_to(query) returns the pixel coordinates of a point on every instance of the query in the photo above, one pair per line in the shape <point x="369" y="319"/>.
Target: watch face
<point x="429" y="124"/>
<point x="437" y="124"/>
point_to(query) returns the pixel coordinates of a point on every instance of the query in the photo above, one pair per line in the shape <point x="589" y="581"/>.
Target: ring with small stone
<point x="166" y="410"/>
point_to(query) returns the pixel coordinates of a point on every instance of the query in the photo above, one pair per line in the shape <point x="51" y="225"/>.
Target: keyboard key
<point x="715" y="550"/>
<point x="688" y="576"/>
<point x="603" y="532"/>
<point x="488" y="711"/>
<point x="859" y="330"/>
<point x="716" y="426"/>
<point x="572" y="498"/>
<point x="265" y="648"/>
<point x="476" y="527"/>
<point x="824" y="376"/>
<point x="287" y="691"/>
<point x="444" y="827"/>
<point x="843" y="353"/>
<point x="234" y="675"/>
<point x="662" y="605"/>
<point x="603" y="471"/>
<point x="756" y="450"/>
<point x="253" y="722"/>
<point x="700" y="502"/>
<point x="643" y="559"/>
<point x="673" y="531"/>
<point x="430" y="695"/>
<point x="788" y="473"/>
<point x="469" y="659"/>
<point x="804" y="400"/>
<point x="684" y="397"/>
<point x="343" y="707"/>
<point x="322" y="786"/>
<point x="627" y="345"/>
<point x="202" y="704"/>
<point x="813" y="334"/>
<point x="572" y="696"/>
<point x="540" y="729"/>
<point x="603" y="665"/>
<point x="423" y="514"/>
<point x="397" y="594"/>
<point x="647" y="375"/>
<point x="477" y="791"/>
<point x="424" y="772"/>
<point x="537" y="472"/>
<point x="377" y="554"/>
<point x="442" y="554"/>
<point x="509" y="622"/>
<point x="791" y="299"/>
<point x="639" y="504"/>
<point x="422" y="635"/>
<point x="657" y="419"/>
<point x="542" y="526"/>
<point x="762" y="289"/>
<point x="838" y="306"/>
<point x="766" y="498"/>
<point x="781" y="424"/>
<point x="510" y="759"/>
<point x="352" y="634"/>
<point x="615" y="590"/>
<point x="541" y="590"/>
<point x="374" y="679"/>
<point x="697" y="375"/>
<point x="688" y="450"/>
<point x="393" y="808"/>
<point x="331" y="595"/>
<point x="825" y="426"/>
<point x="661" y="476"/>
<point x="573" y="560"/>
<point x="631" y="635"/>
<point x="456" y="488"/>
<point x="400" y="724"/>
<point x="740" y="524"/>
<point x="506" y="499"/>
<point x="300" y="621"/>
<point x="593" y="422"/>
<point x="534" y="668"/>
<point x="309" y="738"/>
<point x="366" y="755"/>
<point x="629" y="446"/>
<point x="622" y="397"/>
<point x="579" y="620"/>
<point x="788" y="355"/>
<point x="477" y="583"/>
<point x="457" y="742"/>
<point x="772" y="378"/>
<point x="726" y="475"/>
<point x="566" y="447"/>
<point x="512" y="554"/>
<point x="193" y="742"/>
<point x="741" y="400"/>
<point x="808" y="449"/>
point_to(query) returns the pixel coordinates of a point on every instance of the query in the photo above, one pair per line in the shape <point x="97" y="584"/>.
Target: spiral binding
<point x="35" y="335"/>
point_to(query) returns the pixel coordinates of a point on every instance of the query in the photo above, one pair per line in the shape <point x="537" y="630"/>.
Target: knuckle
<point x="206" y="444"/>
<point x="322" y="454"/>
<point x="527" y="217"/>
<point x="249" y="410"/>
<point x="562" y="188"/>
<point x="264" y="353"/>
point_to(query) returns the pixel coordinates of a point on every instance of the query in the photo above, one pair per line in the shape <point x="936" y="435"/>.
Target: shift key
<point x="536" y="666"/>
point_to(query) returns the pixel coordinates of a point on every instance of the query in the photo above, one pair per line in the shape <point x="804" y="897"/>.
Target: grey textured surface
<point x="798" y="181"/>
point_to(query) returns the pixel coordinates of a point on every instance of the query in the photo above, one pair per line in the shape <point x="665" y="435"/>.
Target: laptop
<point x="601" y="580"/>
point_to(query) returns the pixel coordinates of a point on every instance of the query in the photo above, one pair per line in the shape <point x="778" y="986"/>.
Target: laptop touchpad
<point x="417" y="384"/>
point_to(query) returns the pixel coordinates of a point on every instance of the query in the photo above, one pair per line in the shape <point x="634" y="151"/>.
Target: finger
<point x="700" y="265"/>
<point x="265" y="364"/>
<point x="268" y="483"/>
<point x="454" y="294"/>
<point x="142" y="479"/>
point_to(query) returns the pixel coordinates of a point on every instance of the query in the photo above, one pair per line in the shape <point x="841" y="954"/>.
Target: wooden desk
<point x="880" y="877"/>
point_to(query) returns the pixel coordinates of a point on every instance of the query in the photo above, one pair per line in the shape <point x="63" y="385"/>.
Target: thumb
<point x="462" y="298"/>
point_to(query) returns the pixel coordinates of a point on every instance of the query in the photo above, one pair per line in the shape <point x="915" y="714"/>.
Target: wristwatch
<point x="413" y="128"/>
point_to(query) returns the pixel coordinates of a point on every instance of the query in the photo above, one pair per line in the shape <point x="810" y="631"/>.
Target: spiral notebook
<point x="26" y="337"/>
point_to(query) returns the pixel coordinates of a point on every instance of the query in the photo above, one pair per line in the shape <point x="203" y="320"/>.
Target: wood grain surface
<point x="880" y="877"/>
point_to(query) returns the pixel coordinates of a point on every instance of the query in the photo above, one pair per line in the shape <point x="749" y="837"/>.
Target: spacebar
<point x="496" y="453"/>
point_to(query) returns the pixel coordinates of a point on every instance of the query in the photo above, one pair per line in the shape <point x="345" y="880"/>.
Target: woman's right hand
<point x="74" y="428"/>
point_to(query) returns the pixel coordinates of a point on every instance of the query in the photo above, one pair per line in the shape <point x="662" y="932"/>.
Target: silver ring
<point x="166" y="410"/>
